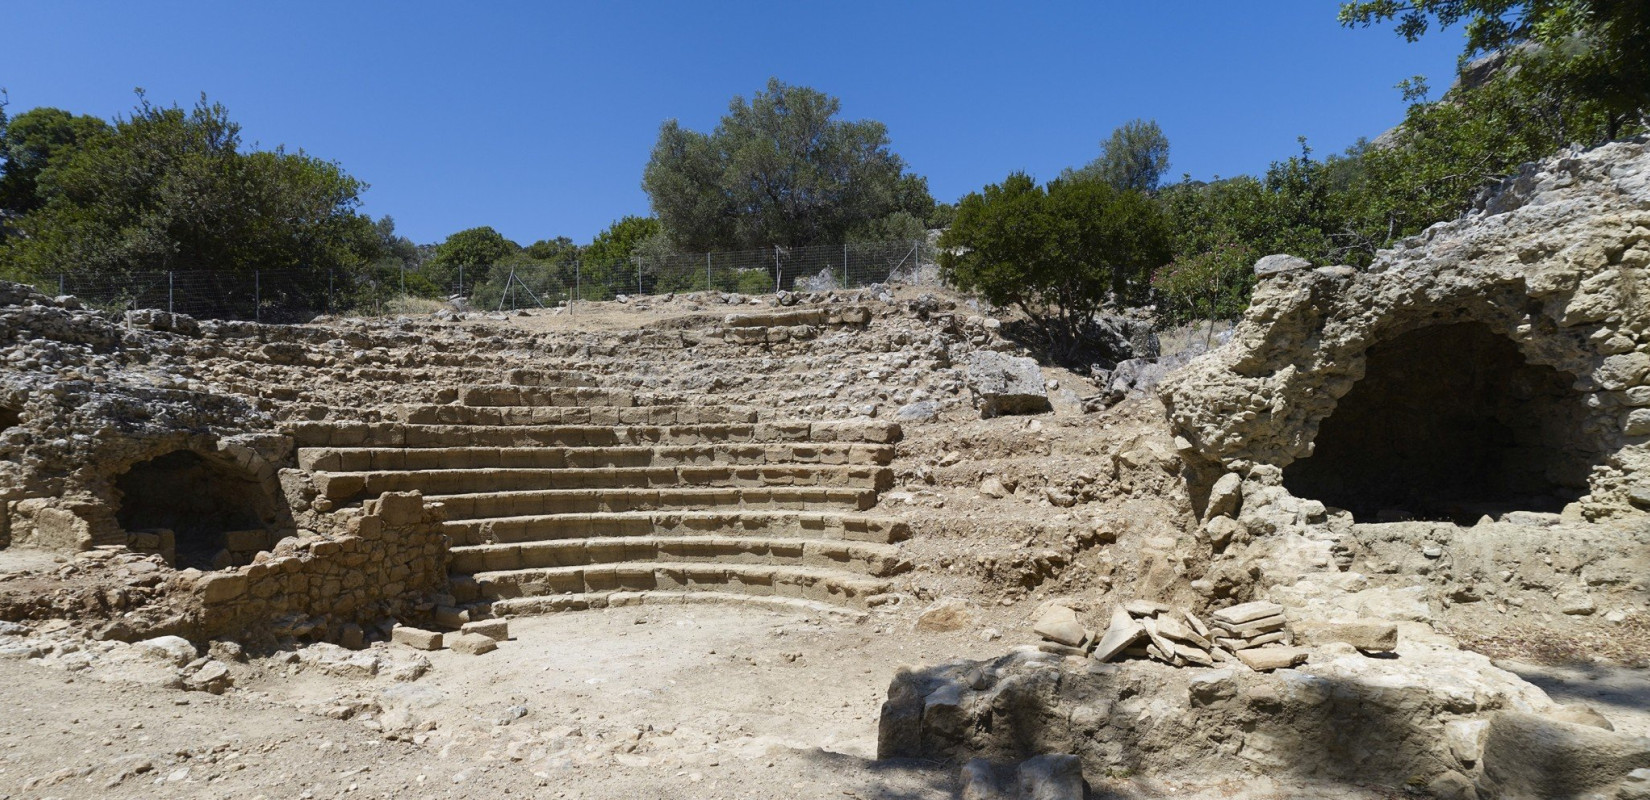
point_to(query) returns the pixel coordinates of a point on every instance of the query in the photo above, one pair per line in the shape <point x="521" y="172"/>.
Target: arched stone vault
<point x="1557" y="263"/>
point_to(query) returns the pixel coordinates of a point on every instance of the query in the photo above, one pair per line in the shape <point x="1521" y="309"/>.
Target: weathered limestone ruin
<point x="1281" y="563"/>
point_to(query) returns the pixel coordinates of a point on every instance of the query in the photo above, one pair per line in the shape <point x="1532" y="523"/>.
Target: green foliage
<point x="753" y="281"/>
<point x="474" y="251"/>
<point x="1207" y="284"/>
<point x="1602" y="46"/>
<point x="778" y="170"/>
<point x="1058" y="253"/>
<point x="169" y="189"/>
<point x="621" y="239"/>
<point x="1135" y="156"/>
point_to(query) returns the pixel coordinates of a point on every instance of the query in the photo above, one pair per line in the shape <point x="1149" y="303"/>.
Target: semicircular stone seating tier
<point x="564" y="495"/>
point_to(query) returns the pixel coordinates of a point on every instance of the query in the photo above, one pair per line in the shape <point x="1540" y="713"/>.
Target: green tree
<point x="169" y="189"/>
<point x="778" y="170"/>
<point x="1135" y="156"/>
<point x="30" y="144"/>
<point x="474" y="251"/>
<point x="1604" y="45"/>
<point x="1058" y="253"/>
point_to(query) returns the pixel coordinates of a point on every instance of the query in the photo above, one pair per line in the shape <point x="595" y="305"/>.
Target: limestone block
<point x="221" y="587"/>
<point x="1002" y="384"/>
<point x="174" y="650"/>
<point x="1225" y="496"/>
<point x="496" y="629"/>
<point x="1279" y="263"/>
<point x="416" y="638"/>
<point x="1266" y="659"/>
<point x="472" y="644"/>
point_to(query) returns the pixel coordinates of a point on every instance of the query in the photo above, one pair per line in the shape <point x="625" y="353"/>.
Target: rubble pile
<point x="1254" y="634"/>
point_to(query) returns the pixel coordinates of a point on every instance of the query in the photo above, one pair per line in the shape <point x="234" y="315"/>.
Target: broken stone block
<point x="416" y="638"/>
<point x="1059" y="624"/>
<point x="471" y="644"/>
<point x="496" y="629"/>
<point x="1004" y="384"/>
<point x="1122" y="632"/>
<point x="1266" y="659"/>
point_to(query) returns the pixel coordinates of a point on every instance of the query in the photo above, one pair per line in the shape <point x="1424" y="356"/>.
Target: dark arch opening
<point x="10" y="417"/>
<point x="1449" y="423"/>
<point x="215" y="511"/>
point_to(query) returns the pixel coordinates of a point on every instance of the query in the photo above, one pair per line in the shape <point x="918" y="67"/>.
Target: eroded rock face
<point x="1534" y="309"/>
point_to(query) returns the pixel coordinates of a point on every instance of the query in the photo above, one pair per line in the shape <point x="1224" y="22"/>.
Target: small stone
<point x="416" y="638"/>
<point x="1144" y="608"/>
<point x="1280" y="263"/>
<point x="175" y="650"/>
<point x="1452" y="785"/>
<point x="948" y="614"/>
<point x="993" y="487"/>
<point x="1224" y="497"/>
<point x="1582" y="714"/>
<point x="1247" y="612"/>
<point x="1576" y="603"/>
<point x="1636" y="786"/>
<point x="473" y="644"/>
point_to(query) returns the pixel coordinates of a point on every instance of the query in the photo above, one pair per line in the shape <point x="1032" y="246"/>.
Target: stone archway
<point x="217" y="513"/>
<point x="1449" y="422"/>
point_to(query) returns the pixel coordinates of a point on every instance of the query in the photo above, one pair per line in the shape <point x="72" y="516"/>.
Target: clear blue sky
<point x="536" y="118"/>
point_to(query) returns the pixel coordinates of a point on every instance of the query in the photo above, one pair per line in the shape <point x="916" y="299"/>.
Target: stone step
<point x="343" y="487"/>
<point x="396" y="434"/>
<point x="850" y="527"/>
<point x="808" y="583"/>
<point x="525" y="606"/>
<point x="790" y="317"/>
<point x="383" y="459"/>
<point x="509" y="395"/>
<point x="879" y="560"/>
<point x="574" y="415"/>
<point x="484" y="505"/>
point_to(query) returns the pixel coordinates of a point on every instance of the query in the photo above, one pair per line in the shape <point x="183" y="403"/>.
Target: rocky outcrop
<point x="1555" y="265"/>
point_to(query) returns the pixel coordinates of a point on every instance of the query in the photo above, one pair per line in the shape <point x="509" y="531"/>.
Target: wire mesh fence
<point x="299" y="295"/>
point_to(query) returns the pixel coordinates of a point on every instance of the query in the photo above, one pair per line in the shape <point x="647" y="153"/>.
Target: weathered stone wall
<point x="391" y="555"/>
<point x="1557" y="261"/>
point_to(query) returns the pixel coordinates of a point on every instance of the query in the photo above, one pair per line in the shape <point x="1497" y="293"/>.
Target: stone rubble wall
<point x="392" y="555"/>
<point x="1557" y="260"/>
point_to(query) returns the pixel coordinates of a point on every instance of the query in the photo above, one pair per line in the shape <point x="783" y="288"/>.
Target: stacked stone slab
<point x="1252" y="633"/>
<point x="573" y="496"/>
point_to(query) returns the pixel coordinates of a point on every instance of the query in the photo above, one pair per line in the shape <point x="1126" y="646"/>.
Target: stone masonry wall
<point x="392" y="555"/>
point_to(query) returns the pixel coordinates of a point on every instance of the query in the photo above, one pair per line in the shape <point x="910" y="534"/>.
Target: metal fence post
<point x="844" y="265"/>
<point x="776" y="269"/>
<point x="578" y="286"/>
<point x="60" y="284"/>
<point x="460" y="280"/>
<point x="329" y="289"/>
<point x="257" y="296"/>
<point x="169" y="291"/>
<point x="639" y="275"/>
<point x="708" y="285"/>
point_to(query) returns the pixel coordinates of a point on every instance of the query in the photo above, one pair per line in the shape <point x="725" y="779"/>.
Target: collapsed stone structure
<point x="1497" y="363"/>
<point x="1466" y="422"/>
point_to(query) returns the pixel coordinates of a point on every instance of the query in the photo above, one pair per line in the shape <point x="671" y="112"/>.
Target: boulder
<point x="174" y="650"/>
<point x="1004" y="384"/>
<point x="1225" y="497"/>
<point x="1279" y="263"/>
<point x="1526" y="755"/>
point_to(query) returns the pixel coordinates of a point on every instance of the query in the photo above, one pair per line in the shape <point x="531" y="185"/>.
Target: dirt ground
<point x="680" y="702"/>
